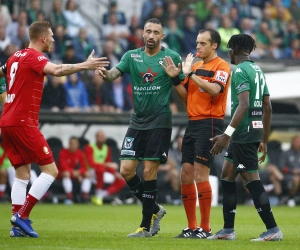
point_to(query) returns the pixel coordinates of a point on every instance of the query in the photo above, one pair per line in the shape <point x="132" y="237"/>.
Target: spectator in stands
<point x="70" y="57"/>
<point x="110" y="54"/>
<point x="258" y="3"/>
<point x="292" y="52"/>
<point x="225" y="6"/>
<point x="157" y="12"/>
<point x="61" y="41"/>
<point x="56" y="16"/>
<point x="244" y="9"/>
<point x="35" y="7"/>
<point x="21" y="40"/>
<point x="4" y="39"/>
<point x="40" y="16"/>
<point x="136" y="40"/>
<point x="134" y="24"/>
<point x="5" y="17"/>
<point x="99" y="158"/>
<point x="190" y="32"/>
<point x="119" y="33"/>
<point x="247" y="26"/>
<point x="172" y="12"/>
<point x="113" y="8"/>
<point x="294" y="9"/>
<point x="10" y="49"/>
<point x="74" y="19"/>
<point x="76" y="93"/>
<point x="94" y="93"/>
<point x="226" y="30"/>
<point x="115" y="97"/>
<point x="12" y="29"/>
<point x="174" y="36"/>
<point x="234" y="16"/>
<point x="274" y="6"/>
<point x="214" y="17"/>
<point x="54" y="94"/>
<point x="203" y="9"/>
<point x="147" y="8"/>
<point x="291" y="169"/>
<point x="71" y="166"/>
<point x="84" y="44"/>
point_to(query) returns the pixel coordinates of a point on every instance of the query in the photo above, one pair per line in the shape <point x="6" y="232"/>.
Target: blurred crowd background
<point x="110" y="28"/>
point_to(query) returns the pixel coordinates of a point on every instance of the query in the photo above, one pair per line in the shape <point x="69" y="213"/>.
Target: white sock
<point x="2" y="187"/>
<point x="33" y="176"/>
<point x="101" y="193"/>
<point x="67" y="185"/>
<point x="11" y="175"/>
<point x="86" y="185"/>
<point x="41" y="185"/>
<point x="18" y="191"/>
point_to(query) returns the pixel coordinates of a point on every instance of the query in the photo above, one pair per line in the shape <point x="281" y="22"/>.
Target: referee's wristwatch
<point x="190" y="74"/>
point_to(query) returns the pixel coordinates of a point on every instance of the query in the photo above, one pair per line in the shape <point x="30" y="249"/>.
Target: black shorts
<point x="196" y="145"/>
<point x="243" y="156"/>
<point x="149" y="145"/>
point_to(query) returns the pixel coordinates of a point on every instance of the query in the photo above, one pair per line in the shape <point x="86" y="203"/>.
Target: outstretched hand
<point x="170" y="67"/>
<point x="187" y="65"/>
<point x="94" y="63"/>
<point x="219" y="143"/>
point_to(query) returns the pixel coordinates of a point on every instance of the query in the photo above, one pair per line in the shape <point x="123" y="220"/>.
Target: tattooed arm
<point x="110" y="75"/>
<point x="68" y="69"/>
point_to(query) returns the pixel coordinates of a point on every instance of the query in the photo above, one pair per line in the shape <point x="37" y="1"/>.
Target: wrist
<point x="176" y="80"/>
<point x="229" y="130"/>
<point x="190" y="74"/>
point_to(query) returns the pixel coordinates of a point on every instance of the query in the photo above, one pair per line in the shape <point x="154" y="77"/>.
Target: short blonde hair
<point x="36" y="29"/>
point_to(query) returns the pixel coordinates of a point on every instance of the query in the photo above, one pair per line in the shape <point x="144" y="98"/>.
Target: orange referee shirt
<point x="200" y="104"/>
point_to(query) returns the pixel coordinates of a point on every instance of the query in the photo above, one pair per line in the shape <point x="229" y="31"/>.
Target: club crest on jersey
<point x="160" y="61"/>
<point x="148" y="77"/>
<point x="222" y="76"/>
<point x="128" y="142"/>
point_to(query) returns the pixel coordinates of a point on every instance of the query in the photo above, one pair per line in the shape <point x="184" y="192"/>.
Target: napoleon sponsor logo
<point x="255" y="112"/>
<point x="146" y="88"/>
<point x="257" y="124"/>
<point x="242" y="86"/>
<point x="222" y="76"/>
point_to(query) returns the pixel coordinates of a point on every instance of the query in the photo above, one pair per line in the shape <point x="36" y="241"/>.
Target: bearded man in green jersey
<point x="248" y="133"/>
<point x="149" y="133"/>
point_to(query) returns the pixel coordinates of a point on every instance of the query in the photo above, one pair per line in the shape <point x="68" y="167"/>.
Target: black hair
<point x="241" y="43"/>
<point x="155" y="20"/>
<point x="215" y="36"/>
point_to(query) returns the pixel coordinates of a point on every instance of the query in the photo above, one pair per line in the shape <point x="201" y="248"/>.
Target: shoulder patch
<point x="242" y="86"/>
<point x="222" y="76"/>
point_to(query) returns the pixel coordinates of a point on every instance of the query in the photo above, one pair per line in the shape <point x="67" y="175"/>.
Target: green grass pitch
<point x="105" y="227"/>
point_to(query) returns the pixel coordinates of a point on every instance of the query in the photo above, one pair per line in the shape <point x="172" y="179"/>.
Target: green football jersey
<point x="2" y="85"/>
<point x="151" y="87"/>
<point x="247" y="76"/>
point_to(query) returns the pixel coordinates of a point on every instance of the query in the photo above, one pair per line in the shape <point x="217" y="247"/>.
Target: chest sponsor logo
<point x="135" y="55"/>
<point x="222" y="76"/>
<point x="257" y="124"/>
<point x="255" y="112"/>
<point x="41" y="58"/>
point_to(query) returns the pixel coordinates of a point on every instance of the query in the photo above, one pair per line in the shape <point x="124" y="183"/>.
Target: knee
<point x="127" y="172"/>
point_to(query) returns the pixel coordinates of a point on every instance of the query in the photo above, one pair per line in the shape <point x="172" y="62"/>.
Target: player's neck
<point x="211" y="57"/>
<point x="152" y="52"/>
<point x="35" y="47"/>
<point x="240" y="59"/>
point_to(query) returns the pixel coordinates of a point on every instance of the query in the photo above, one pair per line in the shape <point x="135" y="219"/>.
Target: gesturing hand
<point x="187" y="65"/>
<point x="170" y="67"/>
<point x="93" y="63"/>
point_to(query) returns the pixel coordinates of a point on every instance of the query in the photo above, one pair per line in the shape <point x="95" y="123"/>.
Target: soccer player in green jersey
<point x="149" y="133"/>
<point x="248" y="133"/>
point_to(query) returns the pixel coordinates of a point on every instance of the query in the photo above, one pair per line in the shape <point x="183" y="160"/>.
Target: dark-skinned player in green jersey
<point x="149" y="133"/>
<point x="247" y="133"/>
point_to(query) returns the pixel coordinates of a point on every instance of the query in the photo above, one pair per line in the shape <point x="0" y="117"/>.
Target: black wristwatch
<point x="191" y="73"/>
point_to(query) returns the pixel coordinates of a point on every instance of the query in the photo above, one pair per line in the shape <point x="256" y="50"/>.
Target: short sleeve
<point x="222" y="74"/>
<point x="123" y="65"/>
<point x="38" y="62"/>
<point x="241" y="80"/>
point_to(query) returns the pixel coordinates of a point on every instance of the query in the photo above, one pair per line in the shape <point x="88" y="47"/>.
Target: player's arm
<point x="267" y="114"/>
<point x="212" y="88"/>
<point x="68" y="69"/>
<point x="109" y="75"/>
